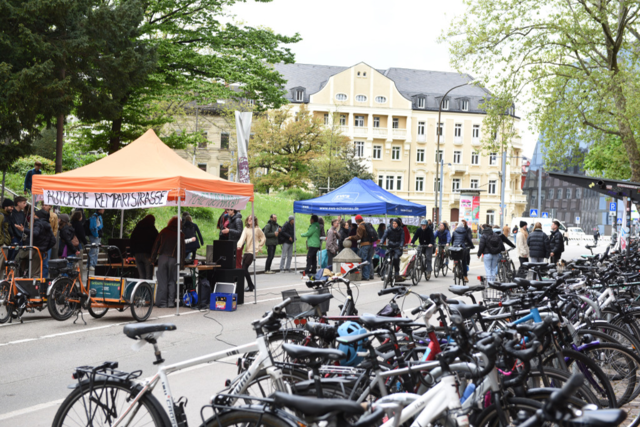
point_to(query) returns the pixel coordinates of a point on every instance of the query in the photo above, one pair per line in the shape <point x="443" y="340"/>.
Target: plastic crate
<point x="223" y="302"/>
<point x="298" y="307"/>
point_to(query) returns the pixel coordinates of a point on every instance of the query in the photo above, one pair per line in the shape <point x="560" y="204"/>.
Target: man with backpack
<point x="424" y="235"/>
<point x="367" y="235"/>
<point x="271" y="231"/>
<point x="5" y="231"/>
<point x="491" y="246"/>
<point x="93" y="229"/>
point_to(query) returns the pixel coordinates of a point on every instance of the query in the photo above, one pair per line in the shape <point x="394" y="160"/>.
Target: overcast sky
<point x="382" y="33"/>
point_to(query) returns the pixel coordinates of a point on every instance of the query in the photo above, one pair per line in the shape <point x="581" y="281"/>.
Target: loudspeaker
<point x="230" y="276"/>
<point x="226" y="249"/>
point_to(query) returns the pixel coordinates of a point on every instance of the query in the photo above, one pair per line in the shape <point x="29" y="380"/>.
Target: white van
<point x="576" y="233"/>
<point x="546" y="224"/>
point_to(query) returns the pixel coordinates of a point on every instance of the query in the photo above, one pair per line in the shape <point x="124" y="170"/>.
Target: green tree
<point x="575" y="62"/>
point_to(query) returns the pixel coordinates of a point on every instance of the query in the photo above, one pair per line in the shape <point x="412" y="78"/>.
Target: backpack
<point x="494" y="243"/>
<point x="371" y="232"/>
<point x="5" y="234"/>
<point x="87" y="227"/>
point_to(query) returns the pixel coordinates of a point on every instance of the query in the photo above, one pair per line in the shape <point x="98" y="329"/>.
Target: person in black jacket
<point x="288" y="237"/>
<point x="424" y="235"/>
<point x="233" y="231"/>
<point x="165" y="253"/>
<point x="191" y="232"/>
<point x="78" y="228"/>
<point x="460" y="237"/>
<point x="491" y="246"/>
<point x="67" y="234"/>
<point x="143" y="237"/>
<point x="395" y="237"/>
<point x="538" y="243"/>
<point x="556" y="243"/>
<point x="43" y="239"/>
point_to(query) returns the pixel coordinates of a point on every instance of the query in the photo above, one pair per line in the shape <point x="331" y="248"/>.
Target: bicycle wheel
<point x="556" y="378"/>
<point x="436" y="266"/>
<point x="142" y="302"/>
<point x="445" y="267"/>
<point x="416" y="273"/>
<point x="5" y="312"/>
<point x="58" y="302"/>
<point x="105" y="402"/>
<point x="97" y="313"/>
<point x="387" y="273"/>
<point x="512" y="271"/>
<point x="245" y="419"/>
<point x="513" y="405"/>
<point x="456" y="274"/>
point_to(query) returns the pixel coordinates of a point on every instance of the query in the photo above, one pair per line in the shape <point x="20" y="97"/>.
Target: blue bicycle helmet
<point x="351" y="350"/>
<point x="424" y="222"/>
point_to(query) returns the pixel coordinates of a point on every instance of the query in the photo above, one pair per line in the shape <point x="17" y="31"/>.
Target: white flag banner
<point x="82" y="199"/>
<point x="243" y="132"/>
<point x="624" y="231"/>
<point x="213" y="200"/>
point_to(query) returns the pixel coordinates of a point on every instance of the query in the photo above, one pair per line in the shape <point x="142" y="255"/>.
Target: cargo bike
<point x="68" y="294"/>
<point x="21" y="294"/>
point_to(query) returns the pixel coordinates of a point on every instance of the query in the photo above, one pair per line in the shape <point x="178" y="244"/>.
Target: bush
<point x="296" y="194"/>
<point x="25" y="164"/>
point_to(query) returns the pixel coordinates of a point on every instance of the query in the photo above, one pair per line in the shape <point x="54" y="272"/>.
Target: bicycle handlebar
<point x="393" y="290"/>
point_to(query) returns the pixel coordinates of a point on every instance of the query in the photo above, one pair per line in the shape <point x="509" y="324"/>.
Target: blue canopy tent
<point x="358" y="197"/>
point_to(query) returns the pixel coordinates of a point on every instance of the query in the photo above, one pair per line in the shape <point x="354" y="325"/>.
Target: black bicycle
<point x="441" y="263"/>
<point x="506" y="269"/>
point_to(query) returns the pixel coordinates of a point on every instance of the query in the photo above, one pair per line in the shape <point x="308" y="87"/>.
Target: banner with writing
<point x="213" y="200"/>
<point x="243" y="134"/>
<point x="81" y="199"/>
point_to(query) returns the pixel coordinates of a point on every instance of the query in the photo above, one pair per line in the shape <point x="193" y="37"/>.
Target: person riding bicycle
<point x="461" y="239"/>
<point x="395" y="237"/>
<point x="424" y="235"/>
<point x="442" y="236"/>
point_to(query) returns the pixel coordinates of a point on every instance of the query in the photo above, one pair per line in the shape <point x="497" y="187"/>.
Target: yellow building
<point x="390" y="115"/>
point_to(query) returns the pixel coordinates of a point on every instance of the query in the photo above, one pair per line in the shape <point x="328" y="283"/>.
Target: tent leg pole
<point x="31" y="234"/>
<point x="253" y="231"/>
<point x="177" y="302"/>
<point x="121" y="223"/>
<point x="295" y="245"/>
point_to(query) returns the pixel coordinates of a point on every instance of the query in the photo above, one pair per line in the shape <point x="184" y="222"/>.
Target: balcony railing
<point x="457" y="140"/>
<point x="457" y="168"/>
<point x="422" y="138"/>
<point x="344" y="128"/>
<point x="399" y="132"/>
<point x="475" y="141"/>
<point x="380" y="131"/>
<point x="360" y="130"/>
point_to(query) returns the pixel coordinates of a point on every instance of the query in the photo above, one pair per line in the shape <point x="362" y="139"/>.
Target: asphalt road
<point x="38" y="356"/>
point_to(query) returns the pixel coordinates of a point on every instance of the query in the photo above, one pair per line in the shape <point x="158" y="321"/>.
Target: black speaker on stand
<point x="227" y="250"/>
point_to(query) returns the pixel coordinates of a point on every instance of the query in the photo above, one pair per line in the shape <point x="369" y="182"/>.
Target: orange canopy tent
<point x="146" y="173"/>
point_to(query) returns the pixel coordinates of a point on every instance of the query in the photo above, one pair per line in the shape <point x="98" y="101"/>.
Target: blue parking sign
<point x="533" y="213"/>
<point x="612" y="207"/>
<point x="545" y="214"/>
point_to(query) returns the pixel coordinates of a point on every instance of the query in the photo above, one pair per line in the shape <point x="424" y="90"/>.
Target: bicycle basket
<point x="490" y="294"/>
<point x="456" y="253"/>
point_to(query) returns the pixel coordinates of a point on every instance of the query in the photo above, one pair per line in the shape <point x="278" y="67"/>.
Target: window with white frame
<point x="578" y="193"/>
<point x="326" y="119"/>
<point x="390" y="182"/>
<point x="440" y="129"/>
<point x="381" y="181"/>
<point x="361" y="98"/>
<point x="464" y="105"/>
<point x="396" y="123"/>
<point x="569" y="193"/>
<point x="359" y="121"/>
<point x="476" y="132"/>
<point x="475" y="158"/>
<point x="445" y="104"/>
<point x="475" y="183"/>
<point x="421" y="127"/>
<point x="436" y="184"/>
<point x="455" y="185"/>
<point x="492" y="187"/>
<point x="551" y="193"/>
<point x="376" y="122"/>
<point x="343" y="120"/>
<point x="457" y="157"/>
<point x="359" y="148"/>
<point x="381" y="99"/>
<point x="559" y="193"/>
<point x="377" y="152"/>
<point x="395" y="153"/>
<point x="420" y="155"/>
<point x="439" y="156"/>
<point x="493" y="159"/>
<point x="398" y="183"/>
<point x="422" y="102"/>
<point x="420" y="183"/>
<point x="299" y="95"/>
<point x="341" y="96"/>
<point x="457" y="130"/>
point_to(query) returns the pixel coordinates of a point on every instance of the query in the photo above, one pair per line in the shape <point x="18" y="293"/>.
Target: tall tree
<point x="575" y="61"/>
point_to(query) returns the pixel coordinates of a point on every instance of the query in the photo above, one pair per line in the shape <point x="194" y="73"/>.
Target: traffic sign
<point x="533" y="213"/>
<point x="612" y="207"/>
<point x="545" y="214"/>
<point x="619" y="220"/>
<point x="577" y="220"/>
<point x="612" y="213"/>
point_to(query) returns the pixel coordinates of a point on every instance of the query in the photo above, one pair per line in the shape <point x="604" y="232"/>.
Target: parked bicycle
<point x="506" y="269"/>
<point x="21" y="294"/>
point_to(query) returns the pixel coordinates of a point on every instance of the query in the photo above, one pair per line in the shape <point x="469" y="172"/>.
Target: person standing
<point x="232" y="231"/>
<point x="313" y="245"/>
<point x="143" y="237"/>
<point x="49" y="215"/>
<point x="596" y="236"/>
<point x="271" y="232"/>
<point x="395" y="237"/>
<point x="491" y="245"/>
<point x="424" y="235"/>
<point x="19" y="225"/>
<point x="366" y="246"/>
<point x="28" y="179"/>
<point x="332" y="242"/>
<point x="522" y="247"/>
<point x="470" y="233"/>
<point x="165" y="254"/>
<point x="246" y="239"/>
<point x="5" y="231"/>
<point x="69" y="242"/>
<point x="538" y="243"/>
<point x="78" y="227"/>
<point x="43" y="239"/>
<point x="288" y="237"/>
<point x="343" y="234"/>
<point x="95" y="236"/>
<point x="192" y="233"/>
<point x="460" y="237"/>
<point x="556" y="243"/>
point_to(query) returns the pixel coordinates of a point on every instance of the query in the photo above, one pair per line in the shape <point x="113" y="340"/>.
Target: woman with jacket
<point x="288" y="238"/>
<point x="165" y="253"/>
<point x="67" y="236"/>
<point x="247" y="237"/>
<point x="522" y="247"/>
<point x="313" y="245"/>
<point x="332" y="242"/>
<point x="77" y="222"/>
<point x="191" y="232"/>
<point x="143" y="237"/>
<point x="538" y="243"/>
<point x="343" y="234"/>
<point x="232" y="231"/>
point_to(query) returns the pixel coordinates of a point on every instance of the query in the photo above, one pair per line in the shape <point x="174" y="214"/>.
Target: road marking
<point x="30" y="409"/>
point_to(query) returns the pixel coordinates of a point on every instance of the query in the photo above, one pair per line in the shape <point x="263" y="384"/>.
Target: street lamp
<point x="441" y="163"/>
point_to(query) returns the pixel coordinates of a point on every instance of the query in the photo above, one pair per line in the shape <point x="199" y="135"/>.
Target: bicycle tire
<point x="97" y="314"/>
<point x="436" y="266"/>
<point x="445" y="268"/>
<point x="456" y="274"/>
<point x="246" y="419"/>
<point x="142" y="302"/>
<point x="512" y="271"/>
<point x="58" y="302"/>
<point x="617" y="333"/>
<point x="387" y="279"/>
<point x="555" y="378"/>
<point x="513" y="405"/>
<point x="5" y="313"/>
<point x="109" y="389"/>
<point x="416" y="273"/>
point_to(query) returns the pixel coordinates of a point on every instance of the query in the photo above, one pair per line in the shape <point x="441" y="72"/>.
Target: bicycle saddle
<point x="503" y="286"/>
<point x="74" y="258"/>
<point x="302" y="352"/>
<point x="136" y="331"/>
<point x="372" y="321"/>
<point x="10" y="263"/>
<point x="590" y="246"/>
<point x="315" y="299"/>
<point x="468" y="311"/>
<point x="535" y="264"/>
<point x="317" y="407"/>
<point x="463" y="290"/>
<point x="539" y="284"/>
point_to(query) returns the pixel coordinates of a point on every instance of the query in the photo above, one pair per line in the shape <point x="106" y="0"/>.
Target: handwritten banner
<point x="213" y="200"/>
<point x="81" y="199"/>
